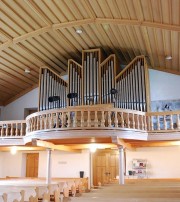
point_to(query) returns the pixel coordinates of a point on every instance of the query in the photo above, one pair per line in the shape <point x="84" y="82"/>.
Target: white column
<point x="48" y="174"/>
<point x="121" y="165"/>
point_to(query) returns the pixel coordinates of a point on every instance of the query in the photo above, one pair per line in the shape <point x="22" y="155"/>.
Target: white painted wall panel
<point x="163" y="162"/>
<point x="164" y="86"/>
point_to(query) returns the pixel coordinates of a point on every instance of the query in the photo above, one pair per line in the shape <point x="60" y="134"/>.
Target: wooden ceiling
<point x="37" y="33"/>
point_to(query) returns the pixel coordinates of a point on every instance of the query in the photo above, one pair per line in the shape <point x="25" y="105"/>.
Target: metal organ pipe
<point x="130" y="84"/>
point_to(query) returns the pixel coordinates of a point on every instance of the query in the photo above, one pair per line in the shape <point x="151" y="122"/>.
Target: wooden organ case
<point x="97" y="82"/>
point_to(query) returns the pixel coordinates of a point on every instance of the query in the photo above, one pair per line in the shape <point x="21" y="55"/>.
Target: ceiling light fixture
<point x="79" y="31"/>
<point x="27" y="70"/>
<point x="13" y="150"/>
<point x="168" y="57"/>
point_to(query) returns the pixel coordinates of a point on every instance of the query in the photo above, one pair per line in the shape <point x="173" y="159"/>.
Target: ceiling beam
<point x="163" y="69"/>
<point x="20" y="94"/>
<point x="41" y="143"/>
<point x="121" y="142"/>
<point x="138" y="23"/>
<point x="155" y="144"/>
<point x="74" y="23"/>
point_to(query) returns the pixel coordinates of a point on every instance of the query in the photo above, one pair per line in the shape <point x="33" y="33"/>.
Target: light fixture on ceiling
<point x="93" y="148"/>
<point x="13" y="150"/>
<point x="27" y="70"/>
<point x="168" y="57"/>
<point x="79" y="31"/>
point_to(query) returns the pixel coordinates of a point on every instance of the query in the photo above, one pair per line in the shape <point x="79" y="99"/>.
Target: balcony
<point x="94" y="121"/>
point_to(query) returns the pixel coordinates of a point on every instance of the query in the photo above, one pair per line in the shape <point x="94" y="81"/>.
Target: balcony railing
<point x="12" y="128"/>
<point x="92" y="117"/>
<point x="95" y="117"/>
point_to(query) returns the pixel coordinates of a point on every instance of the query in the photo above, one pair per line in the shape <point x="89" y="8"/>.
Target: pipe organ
<point x="52" y="90"/>
<point x="107" y="76"/>
<point x="91" y="63"/>
<point x="131" y="86"/>
<point x="96" y="82"/>
<point x="75" y="84"/>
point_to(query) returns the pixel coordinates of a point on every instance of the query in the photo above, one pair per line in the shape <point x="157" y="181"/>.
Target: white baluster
<point x="122" y="120"/>
<point x="109" y="119"/>
<point x="116" y="119"/>
<point x="171" y="122"/>
<point x="82" y="118"/>
<point x="102" y="119"/>
<point x="96" y="119"/>
<point x="165" y="122"/>
<point x="89" y="120"/>
<point x="178" y="122"/>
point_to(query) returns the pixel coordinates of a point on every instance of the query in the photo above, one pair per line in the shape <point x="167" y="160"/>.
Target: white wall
<point x="163" y="162"/>
<point x="15" y="110"/>
<point x="64" y="164"/>
<point x="164" y="86"/>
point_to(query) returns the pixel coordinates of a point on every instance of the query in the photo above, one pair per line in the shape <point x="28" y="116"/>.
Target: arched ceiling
<point x="37" y="33"/>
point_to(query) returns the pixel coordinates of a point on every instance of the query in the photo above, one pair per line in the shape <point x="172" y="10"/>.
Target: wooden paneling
<point x="32" y="162"/>
<point x="105" y="166"/>
<point x="42" y="33"/>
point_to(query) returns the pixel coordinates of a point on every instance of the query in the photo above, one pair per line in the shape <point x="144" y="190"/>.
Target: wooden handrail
<point x="92" y="117"/>
<point x="12" y="128"/>
<point x="103" y="116"/>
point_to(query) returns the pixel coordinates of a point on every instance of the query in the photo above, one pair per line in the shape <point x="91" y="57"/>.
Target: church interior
<point x="90" y="100"/>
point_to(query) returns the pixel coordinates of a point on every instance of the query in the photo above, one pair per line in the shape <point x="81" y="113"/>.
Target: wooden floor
<point x="135" y="191"/>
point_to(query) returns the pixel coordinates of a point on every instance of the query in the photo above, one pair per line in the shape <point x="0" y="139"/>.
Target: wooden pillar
<point x="48" y="174"/>
<point x="121" y="165"/>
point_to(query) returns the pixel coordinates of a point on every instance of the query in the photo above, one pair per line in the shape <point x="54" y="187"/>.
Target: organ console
<point x="96" y="82"/>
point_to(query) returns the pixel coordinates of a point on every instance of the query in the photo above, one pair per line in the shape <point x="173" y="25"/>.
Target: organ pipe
<point x="51" y="95"/>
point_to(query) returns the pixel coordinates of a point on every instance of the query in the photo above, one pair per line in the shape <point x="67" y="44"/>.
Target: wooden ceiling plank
<point x="54" y="43"/>
<point x="6" y="29"/>
<point x="68" y="38"/>
<point x="11" y="76"/>
<point x="31" y="34"/>
<point x="24" y="61"/>
<point x="49" y="47"/>
<point x="88" y="8"/>
<point x="32" y="59"/>
<point x="96" y="8"/>
<point x="137" y="23"/>
<point x="45" y="12"/>
<point x="148" y="45"/>
<point x="61" y="40"/>
<point x="13" y="69"/>
<point x="11" y="83"/>
<point x="57" y="12"/>
<point x="106" y="38"/>
<point x="9" y="86"/>
<point x="12" y="24"/>
<point x="105" y="9"/>
<point x="20" y="94"/>
<point x="28" y="49"/>
<point x="38" y="11"/>
<point x="78" y="38"/>
<point x="125" y="40"/>
<point x="43" y="52"/>
<point x="114" y="9"/>
<point x="73" y="9"/>
<point x="10" y="57"/>
<point x="11" y="8"/>
<point x="74" y="23"/>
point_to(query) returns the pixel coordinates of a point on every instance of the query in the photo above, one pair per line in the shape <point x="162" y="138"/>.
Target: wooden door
<point x="105" y="166"/>
<point x="32" y="161"/>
